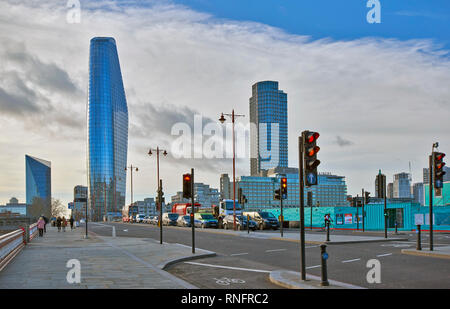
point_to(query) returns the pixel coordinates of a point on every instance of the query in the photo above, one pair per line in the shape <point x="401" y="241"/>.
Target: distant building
<point x="418" y="193"/>
<point x="203" y="194"/>
<point x="14" y="207"/>
<point x="80" y="195"/>
<point x="38" y="182"/>
<point x="376" y="184"/>
<point x="269" y="138"/>
<point x="259" y="191"/>
<point x="390" y="190"/>
<point x="147" y="207"/>
<point x="225" y="187"/>
<point x="402" y="186"/>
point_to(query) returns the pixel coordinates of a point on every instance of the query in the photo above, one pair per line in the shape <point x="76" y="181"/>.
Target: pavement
<point x="105" y="262"/>
<point x="438" y="252"/>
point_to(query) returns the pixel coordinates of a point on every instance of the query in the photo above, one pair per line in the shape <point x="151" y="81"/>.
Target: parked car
<point x="184" y="221"/>
<point x="154" y="220"/>
<point x="241" y="223"/>
<point x="207" y="220"/>
<point x="263" y="219"/>
<point x="197" y="223"/>
<point x="170" y="218"/>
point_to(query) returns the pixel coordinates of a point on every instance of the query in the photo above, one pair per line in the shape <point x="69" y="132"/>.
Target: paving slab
<point x="292" y="280"/>
<point x="106" y="262"/>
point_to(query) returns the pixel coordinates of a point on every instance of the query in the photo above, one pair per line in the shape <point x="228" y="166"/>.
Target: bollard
<point x="324" y="257"/>
<point x="248" y="224"/>
<point x="395" y="227"/>
<point x="328" y="230"/>
<point x="114" y="231"/>
<point x="419" y="244"/>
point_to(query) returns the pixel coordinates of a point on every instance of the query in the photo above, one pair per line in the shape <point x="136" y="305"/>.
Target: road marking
<point x="387" y="254"/>
<point x="315" y="266"/>
<point x="228" y="267"/>
<point x="312" y="247"/>
<point x="235" y="254"/>
<point x="349" y="261"/>
<point x="275" y="250"/>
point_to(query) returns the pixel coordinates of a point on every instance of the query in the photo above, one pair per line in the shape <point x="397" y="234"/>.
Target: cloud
<point x="177" y="62"/>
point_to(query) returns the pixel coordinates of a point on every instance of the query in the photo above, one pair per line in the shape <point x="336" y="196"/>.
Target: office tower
<point x="418" y="193"/>
<point x="107" y="129"/>
<point x="380" y="193"/>
<point x="402" y="186"/>
<point x="38" y="182"/>
<point x="225" y="187"/>
<point x="390" y="190"/>
<point x="269" y="130"/>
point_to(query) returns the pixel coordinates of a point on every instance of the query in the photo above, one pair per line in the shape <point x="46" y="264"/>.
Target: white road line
<point x="309" y="267"/>
<point x="229" y="267"/>
<point x="275" y="250"/>
<point x="349" y="261"/>
<point x="387" y="254"/>
<point x="311" y="247"/>
<point x="235" y="254"/>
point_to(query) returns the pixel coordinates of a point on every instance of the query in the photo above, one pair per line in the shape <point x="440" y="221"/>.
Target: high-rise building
<point x="390" y="190"/>
<point x="225" y="187"/>
<point x="402" y="186"/>
<point x="107" y="129"/>
<point x="383" y="177"/>
<point x="38" y="182"/>
<point x="418" y="193"/>
<point x="269" y="130"/>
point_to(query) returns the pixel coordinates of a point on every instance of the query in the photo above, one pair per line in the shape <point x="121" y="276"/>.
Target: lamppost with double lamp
<point x="222" y="120"/>
<point x="131" y="167"/>
<point x="159" y="186"/>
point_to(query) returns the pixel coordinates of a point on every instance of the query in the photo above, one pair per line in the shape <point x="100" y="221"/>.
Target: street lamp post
<point x="164" y="152"/>
<point x="131" y="167"/>
<point x="222" y="120"/>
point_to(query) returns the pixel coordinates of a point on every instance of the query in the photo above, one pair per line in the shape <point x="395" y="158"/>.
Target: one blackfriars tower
<point x="107" y="120"/>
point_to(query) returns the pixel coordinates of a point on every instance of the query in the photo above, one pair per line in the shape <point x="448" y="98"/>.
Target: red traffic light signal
<point x="187" y="186"/>
<point x="312" y="136"/>
<point x="310" y="160"/>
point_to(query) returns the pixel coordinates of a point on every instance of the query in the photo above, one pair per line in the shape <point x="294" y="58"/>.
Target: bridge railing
<point x="13" y="242"/>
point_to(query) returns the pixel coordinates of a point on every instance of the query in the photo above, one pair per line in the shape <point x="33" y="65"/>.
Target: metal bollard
<point x="248" y="224"/>
<point x="328" y="230"/>
<point x="324" y="258"/>
<point x="113" y="231"/>
<point x="395" y="227"/>
<point x="419" y="244"/>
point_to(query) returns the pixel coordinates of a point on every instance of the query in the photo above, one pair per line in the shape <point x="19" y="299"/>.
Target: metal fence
<point x="13" y="242"/>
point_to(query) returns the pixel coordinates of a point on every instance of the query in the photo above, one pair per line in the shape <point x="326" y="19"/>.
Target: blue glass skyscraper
<point x="269" y="136"/>
<point x="38" y="181"/>
<point x="107" y="129"/>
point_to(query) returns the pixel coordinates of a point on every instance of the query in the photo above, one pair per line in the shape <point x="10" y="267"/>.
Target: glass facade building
<point x="107" y="129"/>
<point x="269" y="131"/>
<point x="38" y="180"/>
<point x="331" y="191"/>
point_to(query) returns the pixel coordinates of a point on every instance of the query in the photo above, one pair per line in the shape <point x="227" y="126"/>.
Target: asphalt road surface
<point x="244" y="262"/>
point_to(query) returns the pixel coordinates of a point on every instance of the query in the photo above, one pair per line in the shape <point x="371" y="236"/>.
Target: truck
<point x="185" y="208"/>
<point x="225" y="208"/>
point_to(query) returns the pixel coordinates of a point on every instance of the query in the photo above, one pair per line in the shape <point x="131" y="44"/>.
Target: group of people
<point x="60" y="223"/>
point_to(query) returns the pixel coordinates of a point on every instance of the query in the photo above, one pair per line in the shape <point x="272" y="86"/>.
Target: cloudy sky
<point x="378" y="93"/>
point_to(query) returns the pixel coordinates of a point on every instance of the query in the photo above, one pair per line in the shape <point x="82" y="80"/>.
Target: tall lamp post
<point x="131" y="167"/>
<point x="164" y="152"/>
<point x="222" y="120"/>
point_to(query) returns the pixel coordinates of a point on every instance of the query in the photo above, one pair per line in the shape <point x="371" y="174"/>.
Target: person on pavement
<point x="58" y="223"/>
<point x="46" y="221"/>
<point x="40" y="226"/>
<point x="71" y="222"/>
<point x="63" y="223"/>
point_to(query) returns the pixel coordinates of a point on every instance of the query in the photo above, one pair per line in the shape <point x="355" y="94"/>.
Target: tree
<point x="37" y="208"/>
<point x="58" y="208"/>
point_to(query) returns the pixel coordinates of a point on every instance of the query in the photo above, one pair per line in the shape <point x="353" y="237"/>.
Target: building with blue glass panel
<point x="443" y="199"/>
<point x="38" y="181"/>
<point x="331" y="190"/>
<point x="269" y="131"/>
<point x="107" y="129"/>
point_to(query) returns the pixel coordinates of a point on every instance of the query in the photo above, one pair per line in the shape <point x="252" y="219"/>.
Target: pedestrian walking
<point x="71" y="222"/>
<point x="63" y="223"/>
<point x="46" y="221"/>
<point x="58" y="223"/>
<point x="40" y="226"/>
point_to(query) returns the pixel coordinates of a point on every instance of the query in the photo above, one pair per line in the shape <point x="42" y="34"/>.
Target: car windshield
<point x="207" y="216"/>
<point x="186" y="217"/>
<point x="229" y="205"/>
<point x="267" y="215"/>
<point x="173" y="216"/>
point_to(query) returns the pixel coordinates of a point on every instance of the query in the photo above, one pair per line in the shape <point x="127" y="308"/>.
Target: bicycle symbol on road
<point x="227" y="281"/>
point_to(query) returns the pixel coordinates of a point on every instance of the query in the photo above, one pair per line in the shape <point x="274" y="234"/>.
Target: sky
<point x="377" y="93"/>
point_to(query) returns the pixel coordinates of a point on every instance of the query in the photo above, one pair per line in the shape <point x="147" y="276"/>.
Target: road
<point x="248" y="260"/>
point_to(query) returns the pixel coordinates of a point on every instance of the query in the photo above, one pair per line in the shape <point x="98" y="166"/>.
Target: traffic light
<point x="309" y="199"/>
<point x="187" y="186"/>
<point x="310" y="157"/>
<point x="380" y="185"/>
<point x="438" y="169"/>
<point x="277" y="195"/>
<point x="284" y="188"/>
<point x="367" y="197"/>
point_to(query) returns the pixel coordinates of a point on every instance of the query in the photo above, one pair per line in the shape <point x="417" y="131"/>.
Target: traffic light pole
<point x="302" y="208"/>
<point x="160" y="212"/>
<point x="363" y="201"/>
<point x="193" y="210"/>
<point x="281" y="209"/>
<point x="357" y="213"/>
<point x="430" y="179"/>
